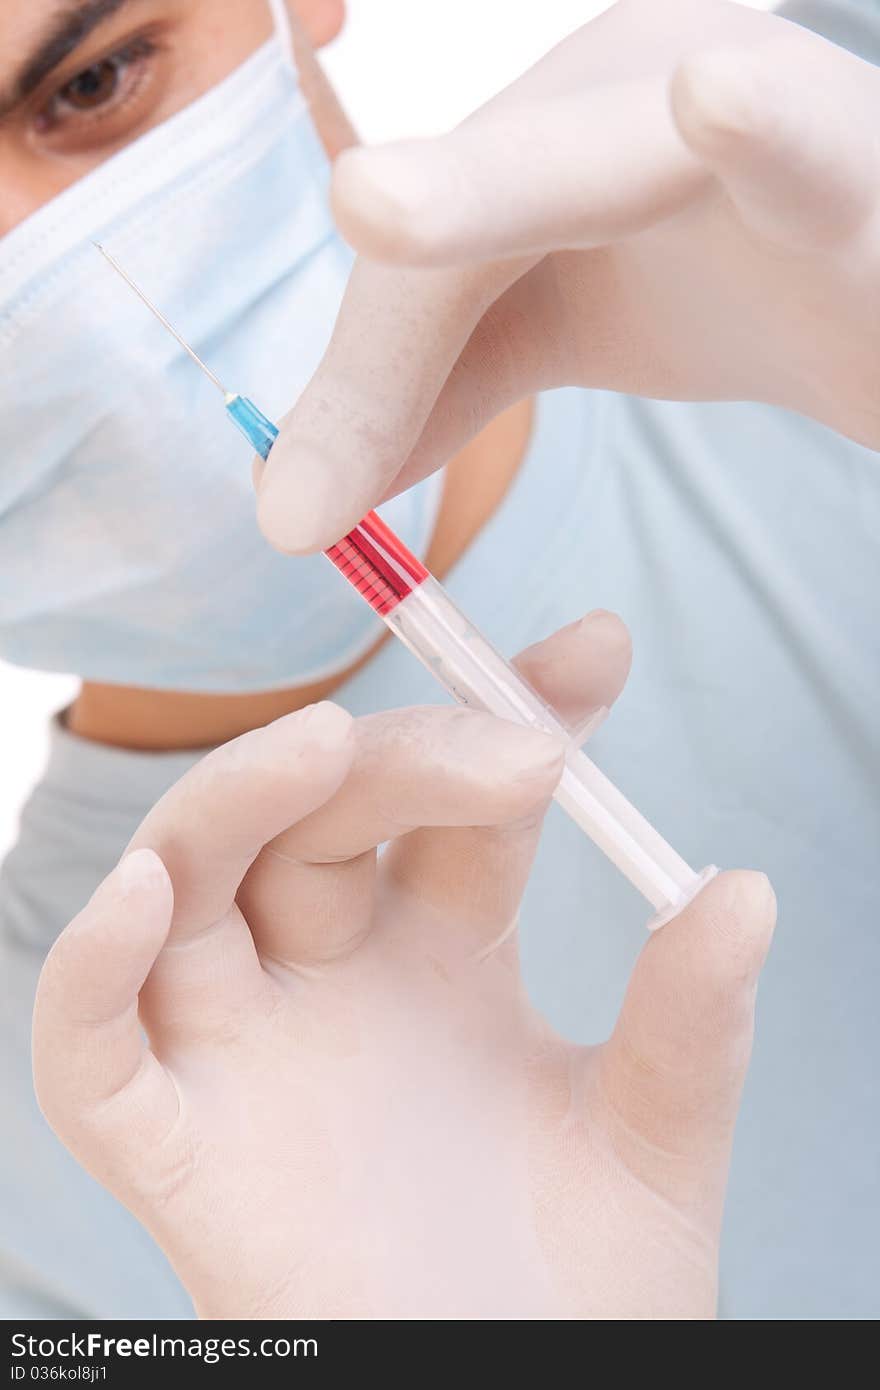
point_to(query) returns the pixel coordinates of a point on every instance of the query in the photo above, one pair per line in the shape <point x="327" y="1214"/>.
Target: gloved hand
<point x="680" y="200"/>
<point x="348" y="1108"/>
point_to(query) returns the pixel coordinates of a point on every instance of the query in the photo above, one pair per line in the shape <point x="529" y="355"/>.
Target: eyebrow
<point x="69" y="28"/>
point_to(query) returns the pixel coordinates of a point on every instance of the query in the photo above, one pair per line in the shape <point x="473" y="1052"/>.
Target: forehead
<point x="26" y="24"/>
<point x="23" y="22"/>
<point x="37" y="35"/>
<point x="31" y="27"/>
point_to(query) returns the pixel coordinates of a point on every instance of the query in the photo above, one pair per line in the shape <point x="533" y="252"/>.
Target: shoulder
<point x="852" y="24"/>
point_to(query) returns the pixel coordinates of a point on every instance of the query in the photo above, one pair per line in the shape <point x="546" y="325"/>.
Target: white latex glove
<point x="681" y="200"/>
<point x="348" y="1108"/>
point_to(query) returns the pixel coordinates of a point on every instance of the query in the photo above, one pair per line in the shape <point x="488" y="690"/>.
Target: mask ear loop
<point x="283" y="33"/>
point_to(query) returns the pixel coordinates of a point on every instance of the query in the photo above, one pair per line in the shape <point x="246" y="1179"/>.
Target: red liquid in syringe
<point x="377" y="563"/>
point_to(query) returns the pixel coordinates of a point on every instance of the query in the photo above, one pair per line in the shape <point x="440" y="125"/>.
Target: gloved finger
<point x="800" y="163"/>
<point x="208" y="829"/>
<point x="475" y="876"/>
<point x="531" y="339"/>
<point x="396" y="339"/>
<point x="520" y="345"/>
<point x="672" y="1072"/>
<point x="413" y="767"/>
<point x="95" y="1079"/>
<point x="579" y="169"/>
<point x="579" y="151"/>
<point x="427" y="767"/>
<point x="582" y="667"/>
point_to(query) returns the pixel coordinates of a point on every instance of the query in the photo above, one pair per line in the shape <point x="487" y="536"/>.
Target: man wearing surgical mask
<point x="161" y="582"/>
<point x="178" y="133"/>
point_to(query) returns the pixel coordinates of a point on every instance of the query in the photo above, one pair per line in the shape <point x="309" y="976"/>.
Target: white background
<point x="403" y="67"/>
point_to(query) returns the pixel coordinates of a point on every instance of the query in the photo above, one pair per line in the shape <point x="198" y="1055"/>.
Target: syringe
<point x="418" y="610"/>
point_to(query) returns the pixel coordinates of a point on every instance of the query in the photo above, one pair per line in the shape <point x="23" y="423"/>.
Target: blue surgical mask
<point x="129" y="551"/>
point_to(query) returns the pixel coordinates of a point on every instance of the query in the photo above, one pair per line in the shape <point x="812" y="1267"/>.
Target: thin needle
<point x="162" y="319"/>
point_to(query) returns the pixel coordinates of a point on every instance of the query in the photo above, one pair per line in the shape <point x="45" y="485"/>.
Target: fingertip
<point x="740" y="894"/>
<point x="328" y="725"/>
<point x="582" y="667"/>
<point x="317" y="742"/>
<point x="384" y="204"/>
<point x="524" y="764"/>
<point x="368" y="213"/>
<point x="323" y="731"/>
<point x="543" y="758"/>
<point x="468" y="766"/>
<point x="140" y="881"/>
<point x="608" y="635"/>
<point x="272" y="518"/>
<point x="100" y="960"/>
<point x="298" y="498"/>
<point x="749" y="901"/>
<point x="734" y="917"/>
<point x="142" y="870"/>
<point x="718" y="100"/>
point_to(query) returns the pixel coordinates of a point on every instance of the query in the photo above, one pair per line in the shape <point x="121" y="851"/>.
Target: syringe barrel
<point x="475" y="674"/>
<point x="420" y="612"/>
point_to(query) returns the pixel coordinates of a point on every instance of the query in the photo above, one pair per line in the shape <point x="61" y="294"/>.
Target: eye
<point x="94" y="87"/>
<point x="107" y="85"/>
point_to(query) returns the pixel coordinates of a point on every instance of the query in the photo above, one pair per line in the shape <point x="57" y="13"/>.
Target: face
<point x="80" y="79"/>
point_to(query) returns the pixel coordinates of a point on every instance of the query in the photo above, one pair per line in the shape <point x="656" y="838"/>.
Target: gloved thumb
<point x="95" y="1078"/>
<point x="672" y="1072"/>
